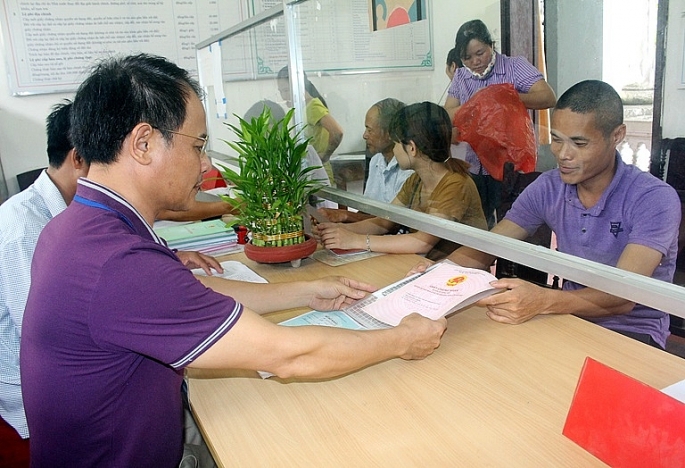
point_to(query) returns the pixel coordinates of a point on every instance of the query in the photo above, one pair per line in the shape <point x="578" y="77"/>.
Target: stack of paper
<point x="212" y="237"/>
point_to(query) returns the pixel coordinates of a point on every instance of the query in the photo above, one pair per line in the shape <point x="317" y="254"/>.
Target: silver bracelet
<point x="368" y="244"/>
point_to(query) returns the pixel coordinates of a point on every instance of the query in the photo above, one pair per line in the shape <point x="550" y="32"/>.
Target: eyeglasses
<point x="204" y="140"/>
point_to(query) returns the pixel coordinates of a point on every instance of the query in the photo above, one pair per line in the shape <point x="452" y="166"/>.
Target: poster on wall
<point x="51" y="45"/>
<point x="386" y="14"/>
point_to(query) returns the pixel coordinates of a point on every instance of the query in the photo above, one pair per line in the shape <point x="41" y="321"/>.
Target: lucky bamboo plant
<point x="274" y="182"/>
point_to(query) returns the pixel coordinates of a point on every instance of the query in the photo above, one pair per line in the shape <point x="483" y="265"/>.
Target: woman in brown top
<point x="440" y="186"/>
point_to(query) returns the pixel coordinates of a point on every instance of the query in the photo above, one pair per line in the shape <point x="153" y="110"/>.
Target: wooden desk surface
<point x="491" y="395"/>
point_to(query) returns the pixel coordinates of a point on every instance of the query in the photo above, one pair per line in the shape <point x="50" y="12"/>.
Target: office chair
<point x="27" y="178"/>
<point x="513" y="184"/>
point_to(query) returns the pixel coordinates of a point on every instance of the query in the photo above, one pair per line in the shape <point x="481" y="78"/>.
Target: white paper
<point x="677" y="390"/>
<point x="234" y="270"/>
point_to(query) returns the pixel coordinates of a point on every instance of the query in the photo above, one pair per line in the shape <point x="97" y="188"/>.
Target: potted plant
<point x="272" y="188"/>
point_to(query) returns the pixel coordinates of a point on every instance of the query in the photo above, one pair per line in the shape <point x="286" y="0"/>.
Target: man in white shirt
<point x="22" y="218"/>
<point x="385" y="176"/>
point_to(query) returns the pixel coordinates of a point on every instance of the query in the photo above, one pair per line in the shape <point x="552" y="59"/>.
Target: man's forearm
<point x="261" y="298"/>
<point x="354" y="216"/>
<point x="587" y="302"/>
<point x="318" y="352"/>
<point x="468" y="257"/>
<point x="199" y="210"/>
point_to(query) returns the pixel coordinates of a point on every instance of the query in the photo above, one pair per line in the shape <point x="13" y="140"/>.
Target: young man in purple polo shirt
<point x="600" y="209"/>
<point x="113" y="317"/>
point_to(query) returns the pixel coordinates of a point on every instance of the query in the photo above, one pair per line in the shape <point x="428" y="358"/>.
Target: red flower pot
<point x="288" y="253"/>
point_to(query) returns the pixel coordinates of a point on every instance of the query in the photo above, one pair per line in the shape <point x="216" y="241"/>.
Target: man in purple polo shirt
<point x="113" y="317"/>
<point x="600" y="209"/>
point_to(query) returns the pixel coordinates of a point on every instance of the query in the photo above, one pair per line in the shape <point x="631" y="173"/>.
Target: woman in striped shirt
<point x="483" y="66"/>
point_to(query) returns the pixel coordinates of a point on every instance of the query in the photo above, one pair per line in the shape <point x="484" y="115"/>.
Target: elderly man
<point x="600" y="209"/>
<point x="110" y="325"/>
<point x="385" y="176"/>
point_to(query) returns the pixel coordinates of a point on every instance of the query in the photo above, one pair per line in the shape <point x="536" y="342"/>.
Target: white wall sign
<point x="52" y="44"/>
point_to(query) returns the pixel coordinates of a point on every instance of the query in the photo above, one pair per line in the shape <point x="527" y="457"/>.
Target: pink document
<point x="443" y="289"/>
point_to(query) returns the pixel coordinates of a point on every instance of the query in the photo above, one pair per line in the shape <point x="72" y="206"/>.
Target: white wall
<point x="574" y="42"/>
<point x="22" y="129"/>
<point x="673" y="117"/>
<point x="22" y="119"/>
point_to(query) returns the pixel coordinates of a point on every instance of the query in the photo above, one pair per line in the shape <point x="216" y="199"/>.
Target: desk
<point x="491" y="395"/>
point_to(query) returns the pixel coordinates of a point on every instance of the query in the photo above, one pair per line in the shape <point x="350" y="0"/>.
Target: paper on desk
<point x="677" y="390"/>
<point x="443" y="288"/>
<point x="219" y="191"/>
<point x="234" y="270"/>
<point x="332" y="318"/>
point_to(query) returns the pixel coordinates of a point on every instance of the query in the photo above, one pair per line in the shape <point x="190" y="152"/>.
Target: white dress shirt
<point x="385" y="179"/>
<point x="22" y="218"/>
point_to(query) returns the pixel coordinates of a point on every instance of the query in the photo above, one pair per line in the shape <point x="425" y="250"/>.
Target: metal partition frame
<point x="287" y="10"/>
<point x="660" y="295"/>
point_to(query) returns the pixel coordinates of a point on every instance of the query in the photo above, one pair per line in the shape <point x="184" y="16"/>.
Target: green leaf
<point x="272" y="182"/>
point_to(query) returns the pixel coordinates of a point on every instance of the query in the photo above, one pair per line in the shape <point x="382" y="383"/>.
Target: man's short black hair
<point x="122" y="92"/>
<point x="594" y="97"/>
<point x="57" y="127"/>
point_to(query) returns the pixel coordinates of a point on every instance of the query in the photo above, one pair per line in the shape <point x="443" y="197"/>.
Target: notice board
<point x="51" y="45"/>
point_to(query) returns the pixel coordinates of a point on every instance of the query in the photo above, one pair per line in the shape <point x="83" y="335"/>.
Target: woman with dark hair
<point x="325" y="132"/>
<point x="440" y="186"/>
<point x="453" y="62"/>
<point x="483" y="66"/>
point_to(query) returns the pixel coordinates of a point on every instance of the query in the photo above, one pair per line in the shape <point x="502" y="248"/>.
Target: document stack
<point x="212" y="237"/>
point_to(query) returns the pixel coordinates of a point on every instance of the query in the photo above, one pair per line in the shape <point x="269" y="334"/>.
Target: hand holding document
<point x="442" y="289"/>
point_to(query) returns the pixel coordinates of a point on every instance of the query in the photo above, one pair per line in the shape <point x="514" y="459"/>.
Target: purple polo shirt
<point x="111" y="320"/>
<point x="515" y="70"/>
<point x="636" y="208"/>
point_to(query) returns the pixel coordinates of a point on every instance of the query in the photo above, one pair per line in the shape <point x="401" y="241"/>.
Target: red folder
<point x="624" y="422"/>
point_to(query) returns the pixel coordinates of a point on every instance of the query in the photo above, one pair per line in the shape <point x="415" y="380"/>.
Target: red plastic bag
<point x="498" y="127"/>
<point x="212" y="179"/>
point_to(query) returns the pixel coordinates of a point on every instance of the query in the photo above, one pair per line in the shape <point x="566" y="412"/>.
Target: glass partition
<point x="347" y="68"/>
<point x="239" y="70"/>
